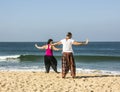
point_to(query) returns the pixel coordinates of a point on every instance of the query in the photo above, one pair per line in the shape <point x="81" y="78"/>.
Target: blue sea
<point x="96" y="57"/>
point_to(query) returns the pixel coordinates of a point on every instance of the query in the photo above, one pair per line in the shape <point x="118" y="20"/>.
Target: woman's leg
<point x="53" y="62"/>
<point x="47" y="63"/>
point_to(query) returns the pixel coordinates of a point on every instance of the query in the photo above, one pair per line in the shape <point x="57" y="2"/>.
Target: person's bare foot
<point x="57" y="72"/>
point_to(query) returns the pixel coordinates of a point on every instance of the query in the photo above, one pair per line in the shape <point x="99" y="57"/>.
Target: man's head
<point x="69" y="35"/>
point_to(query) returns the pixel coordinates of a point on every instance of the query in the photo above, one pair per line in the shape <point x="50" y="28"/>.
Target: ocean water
<point x="96" y="57"/>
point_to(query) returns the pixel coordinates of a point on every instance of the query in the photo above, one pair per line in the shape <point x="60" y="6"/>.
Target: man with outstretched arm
<point x="68" y="62"/>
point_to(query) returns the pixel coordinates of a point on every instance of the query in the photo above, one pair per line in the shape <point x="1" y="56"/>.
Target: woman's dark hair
<point x="49" y="40"/>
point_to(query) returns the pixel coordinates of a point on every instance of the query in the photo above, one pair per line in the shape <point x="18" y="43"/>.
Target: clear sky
<point x="39" y="20"/>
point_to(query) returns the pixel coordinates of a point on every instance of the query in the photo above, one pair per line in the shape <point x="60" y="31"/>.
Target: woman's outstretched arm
<point x="40" y="47"/>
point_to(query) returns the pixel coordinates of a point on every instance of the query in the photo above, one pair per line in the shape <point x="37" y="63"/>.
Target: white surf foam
<point x="8" y="58"/>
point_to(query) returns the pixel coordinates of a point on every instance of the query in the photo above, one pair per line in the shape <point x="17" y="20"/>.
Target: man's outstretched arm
<point x="57" y="43"/>
<point x="80" y="43"/>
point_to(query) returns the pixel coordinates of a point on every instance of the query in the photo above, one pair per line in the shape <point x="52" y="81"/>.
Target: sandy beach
<point x="25" y="81"/>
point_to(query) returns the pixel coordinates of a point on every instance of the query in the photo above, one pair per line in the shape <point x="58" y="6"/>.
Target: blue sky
<point x="39" y="20"/>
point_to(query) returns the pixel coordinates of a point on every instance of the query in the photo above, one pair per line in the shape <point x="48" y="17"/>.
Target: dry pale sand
<point x="22" y="81"/>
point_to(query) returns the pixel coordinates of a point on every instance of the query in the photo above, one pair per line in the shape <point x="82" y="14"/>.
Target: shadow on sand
<point x="93" y="76"/>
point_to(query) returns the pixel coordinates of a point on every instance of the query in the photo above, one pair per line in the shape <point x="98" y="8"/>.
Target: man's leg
<point x="72" y="66"/>
<point x="65" y="66"/>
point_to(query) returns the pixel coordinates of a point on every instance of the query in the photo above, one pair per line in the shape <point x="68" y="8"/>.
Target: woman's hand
<point x="86" y="42"/>
<point x="36" y="45"/>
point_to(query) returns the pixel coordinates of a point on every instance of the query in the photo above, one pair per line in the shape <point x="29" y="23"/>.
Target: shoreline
<point x="78" y="71"/>
<point x="35" y="81"/>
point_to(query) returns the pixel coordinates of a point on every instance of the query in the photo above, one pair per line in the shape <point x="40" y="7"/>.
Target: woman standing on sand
<point x="49" y="59"/>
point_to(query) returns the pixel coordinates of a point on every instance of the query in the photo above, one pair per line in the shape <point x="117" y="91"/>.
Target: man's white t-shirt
<point x="67" y="45"/>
